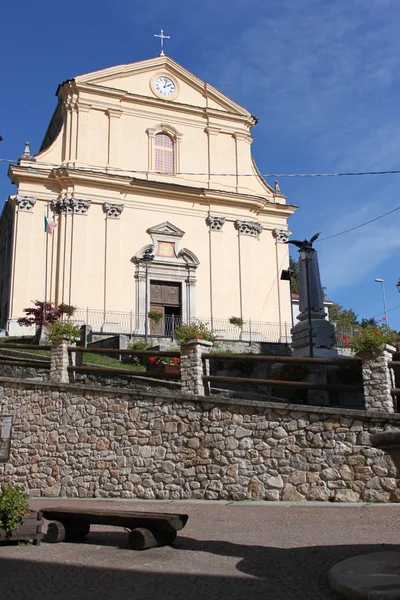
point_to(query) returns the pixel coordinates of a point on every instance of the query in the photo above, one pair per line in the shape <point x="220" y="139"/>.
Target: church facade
<point x="146" y="180"/>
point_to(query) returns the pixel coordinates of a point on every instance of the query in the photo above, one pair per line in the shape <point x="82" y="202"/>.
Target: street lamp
<point x="146" y="259"/>
<point x="384" y="298"/>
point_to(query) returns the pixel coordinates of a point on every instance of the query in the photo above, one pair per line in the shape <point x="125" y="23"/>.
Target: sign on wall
<point x="5" y="438"/>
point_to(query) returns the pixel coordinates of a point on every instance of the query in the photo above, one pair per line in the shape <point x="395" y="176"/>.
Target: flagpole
<point x="46" y="266"/>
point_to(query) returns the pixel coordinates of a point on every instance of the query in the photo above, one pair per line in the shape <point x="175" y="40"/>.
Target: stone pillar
<point x="59" y="362"/>
<point x="378" y="381"/>
<point x="192" y="366"/>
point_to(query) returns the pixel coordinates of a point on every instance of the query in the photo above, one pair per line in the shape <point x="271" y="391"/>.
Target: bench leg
<point x="143" y="539"/>
<point x="56" y="532"/>
<point x="67" y="531"/>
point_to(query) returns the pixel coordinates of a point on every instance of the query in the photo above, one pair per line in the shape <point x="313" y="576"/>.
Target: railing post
<point x="377" y="378"/>
<point x="250" y="330"/>
<point x="87" y="315"/>
<point x="59" y="362"/>
<point x="192" y="366"/>
<point x="131" y="323"/>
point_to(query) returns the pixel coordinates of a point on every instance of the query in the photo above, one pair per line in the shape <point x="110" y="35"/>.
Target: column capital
<point x="69" y="206"/>
<point x="281" y="235"/>
<point x="112" y="211"/>
<point x="215" y="223"/>
<point x="25" y="203"/>
<point x="251" y="228"/>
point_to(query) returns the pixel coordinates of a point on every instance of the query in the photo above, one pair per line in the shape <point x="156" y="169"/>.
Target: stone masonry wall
<point x="79" y="441"/>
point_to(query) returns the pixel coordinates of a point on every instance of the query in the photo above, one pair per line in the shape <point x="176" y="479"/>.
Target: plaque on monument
<point x="5" y="438"/>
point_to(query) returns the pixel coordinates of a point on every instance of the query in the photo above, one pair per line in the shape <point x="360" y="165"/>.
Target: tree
<point x="294" y="274"/>
<point x="372" y="322"/>
<point x="38" y="315"/>
<point x="342" y="317"/>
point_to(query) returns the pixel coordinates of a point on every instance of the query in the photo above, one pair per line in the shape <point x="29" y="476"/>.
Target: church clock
<point x="164" y="87"/>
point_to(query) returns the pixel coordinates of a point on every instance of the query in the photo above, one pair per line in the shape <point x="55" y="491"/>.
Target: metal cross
<point x="162" y="38"/>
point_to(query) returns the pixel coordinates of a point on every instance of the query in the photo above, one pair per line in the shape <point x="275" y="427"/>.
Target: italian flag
<point x="49" y="226"/>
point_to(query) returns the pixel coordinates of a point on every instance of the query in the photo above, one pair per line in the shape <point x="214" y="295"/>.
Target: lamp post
<point x="384" y="298"/>
<point x="146" y="259"/>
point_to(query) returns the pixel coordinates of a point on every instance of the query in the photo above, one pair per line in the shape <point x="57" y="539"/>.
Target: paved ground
<point x="226" y="552"/>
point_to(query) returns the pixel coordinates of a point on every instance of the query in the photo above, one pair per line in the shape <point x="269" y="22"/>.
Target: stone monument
<point x="313" y="335"/>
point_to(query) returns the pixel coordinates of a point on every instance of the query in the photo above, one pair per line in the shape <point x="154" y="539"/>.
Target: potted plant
<point x="195" y="331"/>
<point x="236" y="321"/>
<point x="164" y="364"/>
<point x="63" y="331"/>
<point x="155" y="315"/>
<point x="17" y="521"/>
<point x="371" y="340"/>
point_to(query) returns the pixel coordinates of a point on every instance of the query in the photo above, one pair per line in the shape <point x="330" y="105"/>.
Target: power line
<point x="361" y="225"/>
<point x="389" y="310"/>
<point x="344" y="174"/>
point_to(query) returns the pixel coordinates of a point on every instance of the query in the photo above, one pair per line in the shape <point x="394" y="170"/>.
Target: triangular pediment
<point x="134" y="77"/>
<point x="166" y="228"/>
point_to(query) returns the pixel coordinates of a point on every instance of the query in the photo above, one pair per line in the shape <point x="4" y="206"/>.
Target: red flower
<point x="152" y="359"/>
<point x="376" y="332"/>
<point x="277" y="376"/>
<point x="340" y="337"/>
<point x="176" y="361"/>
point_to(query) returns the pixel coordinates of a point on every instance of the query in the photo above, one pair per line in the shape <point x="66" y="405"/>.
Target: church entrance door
<point x="165" y="297"/>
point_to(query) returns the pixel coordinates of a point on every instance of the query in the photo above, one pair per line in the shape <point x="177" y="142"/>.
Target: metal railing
<point x="131" y="324"/>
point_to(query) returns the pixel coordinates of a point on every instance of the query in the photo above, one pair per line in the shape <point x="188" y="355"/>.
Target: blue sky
<point x="323" y="78"/>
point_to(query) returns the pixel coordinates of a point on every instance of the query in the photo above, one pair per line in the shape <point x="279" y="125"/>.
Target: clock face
<point x="165" y="86"/>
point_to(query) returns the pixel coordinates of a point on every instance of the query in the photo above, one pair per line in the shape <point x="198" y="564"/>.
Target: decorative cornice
<point x="69" y="206"/>
<point x="281" y="235"/>
<point x="215" y="223"/>
<point x="65" y="175"/>
<point x="25" y="203"/>
<point x="113" y="211"/>
<point x="251" y="228"/>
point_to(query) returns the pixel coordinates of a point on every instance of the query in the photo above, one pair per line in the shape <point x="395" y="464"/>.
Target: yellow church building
<point x="146" y="177"/>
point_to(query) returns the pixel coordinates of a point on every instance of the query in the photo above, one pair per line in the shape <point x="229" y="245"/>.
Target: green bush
<point x="139" y="345"/>
<point x="13" y="506"/>
<point x="373" y="338"/>
<point x="63" y="330"/>
<point x="195" y="331"/>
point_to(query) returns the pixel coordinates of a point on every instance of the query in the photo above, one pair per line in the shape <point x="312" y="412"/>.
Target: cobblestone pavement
<point x="226" y="552"/>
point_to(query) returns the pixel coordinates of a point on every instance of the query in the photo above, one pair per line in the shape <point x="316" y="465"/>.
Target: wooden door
<point x="165" y="294"/>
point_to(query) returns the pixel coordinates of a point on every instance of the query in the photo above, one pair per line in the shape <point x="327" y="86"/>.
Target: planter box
<point x="163" y="368"/>
<point x="29" y="529"/>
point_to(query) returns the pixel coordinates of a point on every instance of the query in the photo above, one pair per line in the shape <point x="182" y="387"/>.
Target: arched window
<point x="164" y="153"/>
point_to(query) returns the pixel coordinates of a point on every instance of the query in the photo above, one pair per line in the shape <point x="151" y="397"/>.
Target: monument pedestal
<point x="323" y="338"/>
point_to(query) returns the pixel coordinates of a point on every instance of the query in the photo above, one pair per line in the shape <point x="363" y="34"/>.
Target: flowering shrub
<point x="195" y="331"/>
<point x="291" y="373"/>
<point x="166" y="360"/>
<point x="373" y="338"/>
<point x="345" y="338"/>
<point x="63" y="330"/>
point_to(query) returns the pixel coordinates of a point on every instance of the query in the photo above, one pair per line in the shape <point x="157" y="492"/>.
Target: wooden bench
<point x="146" y="530"/>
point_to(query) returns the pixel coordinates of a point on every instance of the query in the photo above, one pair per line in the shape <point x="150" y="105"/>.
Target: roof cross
<point x="162" y="38"/>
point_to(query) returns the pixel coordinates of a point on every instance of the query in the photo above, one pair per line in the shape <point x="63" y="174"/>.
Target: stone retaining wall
<point x="107" y="442"/>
